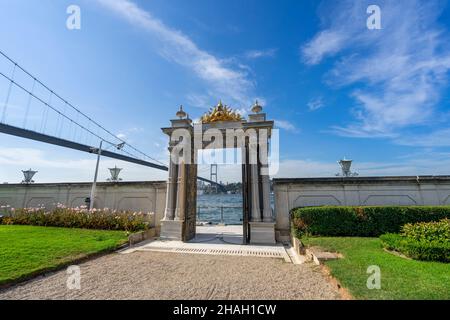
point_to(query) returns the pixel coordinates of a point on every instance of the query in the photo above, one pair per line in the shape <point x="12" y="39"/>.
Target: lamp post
<point x="98" y="151"/>
<point x="94" y="184"/>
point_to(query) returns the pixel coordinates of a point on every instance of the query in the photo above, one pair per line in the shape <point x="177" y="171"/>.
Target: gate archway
<point x="220" y="128"/>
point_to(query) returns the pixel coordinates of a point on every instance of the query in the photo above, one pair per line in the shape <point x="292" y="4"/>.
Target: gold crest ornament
<point x="220" y="113"/>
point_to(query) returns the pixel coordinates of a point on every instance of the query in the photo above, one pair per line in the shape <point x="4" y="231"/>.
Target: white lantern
<point x="114" y="174"/>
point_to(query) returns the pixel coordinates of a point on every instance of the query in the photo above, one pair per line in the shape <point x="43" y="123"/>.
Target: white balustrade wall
<point x="148" y="197"/>
<point x="355" y="191"/>
<point x="289" y="193"/>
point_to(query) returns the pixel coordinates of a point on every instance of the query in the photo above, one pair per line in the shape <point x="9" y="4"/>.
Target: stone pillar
<point x="267" y="209"/>
<point x="181" y="193"/>
<point x="256" y="211"/>
<point x="171" y="226"/>
<point x="262" y="231"/>
<point x="171" y="190"/>
<point x="282" y="207"/>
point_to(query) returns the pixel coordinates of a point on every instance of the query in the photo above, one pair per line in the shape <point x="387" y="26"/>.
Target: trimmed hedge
<point x="362" y="221"/>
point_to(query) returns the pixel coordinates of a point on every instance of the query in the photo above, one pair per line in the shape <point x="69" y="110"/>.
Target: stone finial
<point x="180" y="113"/>
<point x="256" y="107"/>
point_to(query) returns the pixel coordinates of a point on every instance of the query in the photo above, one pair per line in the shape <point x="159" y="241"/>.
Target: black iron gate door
<point x="245" y="197"/>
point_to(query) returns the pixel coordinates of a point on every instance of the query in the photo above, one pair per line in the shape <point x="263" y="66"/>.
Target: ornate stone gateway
<point x="218" y="129"/>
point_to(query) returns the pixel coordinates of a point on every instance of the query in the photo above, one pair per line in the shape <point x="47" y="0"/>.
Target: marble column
<point x="256" y="211"/>
<point x="171" y="190"/>
<point x="181" y="193"/>
<point x="267" y="209"/>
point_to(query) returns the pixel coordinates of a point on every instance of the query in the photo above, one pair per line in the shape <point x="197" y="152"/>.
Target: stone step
<point x="319" y="256"/>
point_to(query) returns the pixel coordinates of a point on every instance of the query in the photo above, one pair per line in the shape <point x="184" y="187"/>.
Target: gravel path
<point x="159" y="275"/>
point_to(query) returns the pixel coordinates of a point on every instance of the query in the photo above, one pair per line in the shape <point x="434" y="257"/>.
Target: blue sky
<point x="334" y="88"/>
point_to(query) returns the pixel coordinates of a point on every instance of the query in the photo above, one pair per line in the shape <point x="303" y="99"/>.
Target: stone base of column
<point x="283" y="235"/>
<point x="172" y="230"/>
<point x="262" y="232"/>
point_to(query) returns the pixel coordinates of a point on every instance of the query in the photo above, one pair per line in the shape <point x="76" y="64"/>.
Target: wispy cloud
<point x="400" y="70"/>
<point x="423" y="164"/>
<point x="286" y="125"/>
<point x="326" y="43"/>
<point x="126" y="134"/>
<point x="315" y="104"/>
<point x="198" y="100"/>
<point x="436" y="138"/>
<point x="256" y="54"/>
<point x="64" y="168"/>
<point x="232" y="84"/>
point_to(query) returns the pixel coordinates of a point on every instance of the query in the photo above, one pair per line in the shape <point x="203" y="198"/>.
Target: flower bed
<point x="80" y="217"/>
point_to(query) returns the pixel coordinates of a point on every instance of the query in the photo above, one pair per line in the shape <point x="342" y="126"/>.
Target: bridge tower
<point x="213" y="175"/>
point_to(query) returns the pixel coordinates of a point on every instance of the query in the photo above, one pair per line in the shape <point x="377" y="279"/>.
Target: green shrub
<point x="417" y="249"/>
<point x="362" y="221"/>
<point x="428" y="231"/>
<point x="391" y="241"/>
<point x="61" y="216"/>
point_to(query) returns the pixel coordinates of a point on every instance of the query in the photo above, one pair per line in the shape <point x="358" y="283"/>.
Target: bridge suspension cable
<point x="89" y="129"/>
<point x="72" y="127"/>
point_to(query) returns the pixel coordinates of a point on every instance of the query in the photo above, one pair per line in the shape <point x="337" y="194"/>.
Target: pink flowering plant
<point x="6" y="210"/>
<point x="80" y="217"/>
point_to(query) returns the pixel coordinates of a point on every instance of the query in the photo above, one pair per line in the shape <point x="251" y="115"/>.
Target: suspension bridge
<point x="34" y="111"/>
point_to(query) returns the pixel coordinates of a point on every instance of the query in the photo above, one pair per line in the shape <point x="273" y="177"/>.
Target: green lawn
<point x="400" y="278"/>
<point x="28" y="250"/>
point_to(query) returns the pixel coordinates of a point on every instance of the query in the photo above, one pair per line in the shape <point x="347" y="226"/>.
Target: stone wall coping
<point x="366" y="180"/>
<point x="86" y="184"/>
